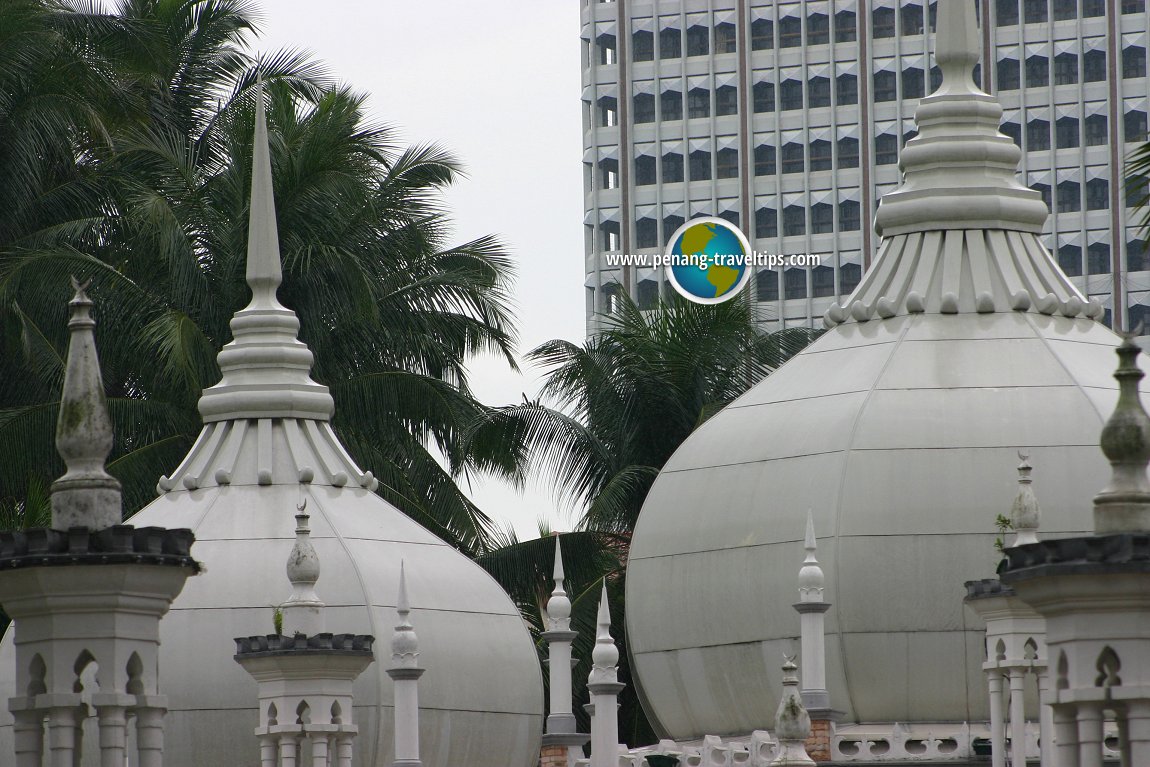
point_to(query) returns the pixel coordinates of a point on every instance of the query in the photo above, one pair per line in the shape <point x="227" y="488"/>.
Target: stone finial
<point x="303" y="611"/>
<point x="1024" y="513"/>
<point x="266" y="369"/>
<point x="1123" y="506"/>
<point x="605" y="655"/>
<point x="404" y="642"/>
<point x="811" y="578"/>
<point x="792" y="722"/>
<point x="956" y="47"/>
<point x="86" y="496"/>
<point x="558" y="606"/>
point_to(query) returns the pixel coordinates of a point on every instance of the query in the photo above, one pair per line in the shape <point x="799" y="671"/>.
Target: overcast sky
<point x="498" y="85"/>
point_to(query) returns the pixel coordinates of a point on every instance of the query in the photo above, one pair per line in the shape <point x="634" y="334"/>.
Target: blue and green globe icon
<point x="708" y="260"/>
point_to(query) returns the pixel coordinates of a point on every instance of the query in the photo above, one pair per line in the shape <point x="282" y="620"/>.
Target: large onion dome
<point x="898" y="429"/>
<point x="267" y="446"/>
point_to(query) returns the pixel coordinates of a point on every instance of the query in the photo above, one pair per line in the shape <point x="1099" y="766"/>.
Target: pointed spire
<point x="811" y="578"/>
<point x="303" y="611"/>
<point x="558" y="606"/>
<point x="1024" y="513"/>
<point x="792" y="722"/>
<point x="266" y="369"/>
<point x="1123" y="506"/>
<point x="86" y="496"/>
<point x="605" y="655"/>
<point x="404" y="642"/>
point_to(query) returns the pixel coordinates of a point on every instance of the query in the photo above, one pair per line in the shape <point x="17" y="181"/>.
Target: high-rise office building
<point x="786" y="118"/>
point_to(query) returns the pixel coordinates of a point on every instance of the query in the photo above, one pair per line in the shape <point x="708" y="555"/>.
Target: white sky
<point x="498" y="85"/>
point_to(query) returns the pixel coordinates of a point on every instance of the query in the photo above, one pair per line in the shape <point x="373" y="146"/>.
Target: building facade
<point x="787" y="118"/>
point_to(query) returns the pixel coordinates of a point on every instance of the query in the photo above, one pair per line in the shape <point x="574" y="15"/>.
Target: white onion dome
<point x="899" y="428"/>
<point x="267" y="444"/>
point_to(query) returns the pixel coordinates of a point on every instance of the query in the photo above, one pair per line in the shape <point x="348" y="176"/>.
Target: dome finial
<point x="559" y="605"/>
<point x="811" y="577"/>
<point x="404" y="642"/>
<point x="1123" y="506"/>
<point x="86" y="496"/>
<point x="956" y="46"/>
<point x="605" y="656"/>
<point x="792" y="722"/>
<point x="1025" y="513"/>
<point x="264" y="273"/>
<point x="303" y="611"/>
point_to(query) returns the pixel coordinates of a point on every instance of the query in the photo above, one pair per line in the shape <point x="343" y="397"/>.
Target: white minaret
<point x="812" y="610"/>
<point x="88" y="593"/>
<point x="1024" y="513"/>
<point x="792" y="723"/>
<point x="604" y="686"/>
<point x="405" y="671"/>
<point x="559" y="637"/>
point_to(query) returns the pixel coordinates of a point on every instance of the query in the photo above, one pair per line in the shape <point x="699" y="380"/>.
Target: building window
<point x="1064" y="10"/>
<point x="766" y="223"/>
<point x="672" y="168"/>
<point x="1066" y="68"/>
<point x="882" y="23"/>
<point x="1066" y="134"/>
<point x="818" y="29"/>
<point x="731" y="217"/>
<point x="886" y="149"/>
<point x="1070" y="260"/>
<point x="647" y="233"/>
<point x="821" y="155"/>
<point x="1006" y="12"/>
<point x="700" y="165"/>
<point x="794" y="283"/>
<point x="822" y="218"/>
<point x="648" y="295"/>
<point x="822" y="281"/>
<point x="1097" y="194"/>
<point x="1037" y="135"/>
<point x="1094" y="66"/>
<point x="791" y="93"/>
<point x="1096" y="130"/>
<point x="1008" y="75"/>
<point x="1069" y="197"/>
<point x="644" y="108"/>
<point x="846" y="30"/>
<point x="727" y="163"/>
<point x="1137" y="317"/>
<point x="1037" y="71"/>
<point x="790" y="32"/>
<point x="793" y="158"/>
<point x="885" y="86"/>
<point x="608" y="112"/>
<point x="764" y="97"/>
<point x="1134" y="61"/>
<point x="670" y="43"/>
<point x="976" y="75"/>
<point x="1135" y="124"/>
<point x="671" y="103"/>
<point x="698" y="103"/>
<point x="645" y="170"/>
<point x="848" y="152"/>
<point x="606" y="45"/>
<point x="846" y="90"/>
<point x="1135" y="192"/>
<point x="794" y="221"/>
<point x="911" y="19"/>
<point x="1091" y="8"/>
<point x="762" y="35"/>
<point x="1098" y="258"/>
<point x="1133" y="6"/>
<point x="913" y="83"/>
<point x="697" y="42"/>
<point x="1014" y="131"/>
<point x="1136" y="260"/>
<point x="1035" y="11"/>
<point x="609" y="230"/>
<point x="850" y="275"/>
<point x="671" y="224"/>
<point x="1044" y="190"/>
<point x="935" y="78"/>
<point x="726" y="100"/>
<point x="643" y="46"/>
<point x="767" y="284"/>
<point x="609" y="174"/>
<point x="850" y="216"/>
<point x="764" y="160"/>
<point x="725" y="38"/>
<point x="818" y="92"/>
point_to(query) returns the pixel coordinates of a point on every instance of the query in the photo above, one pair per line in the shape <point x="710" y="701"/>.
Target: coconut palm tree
<point x="390" y="307"/>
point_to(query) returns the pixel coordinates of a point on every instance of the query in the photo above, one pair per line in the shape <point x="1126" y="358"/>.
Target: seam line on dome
<point x="733" y="406"/>
<point x="1062" y="364"/>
